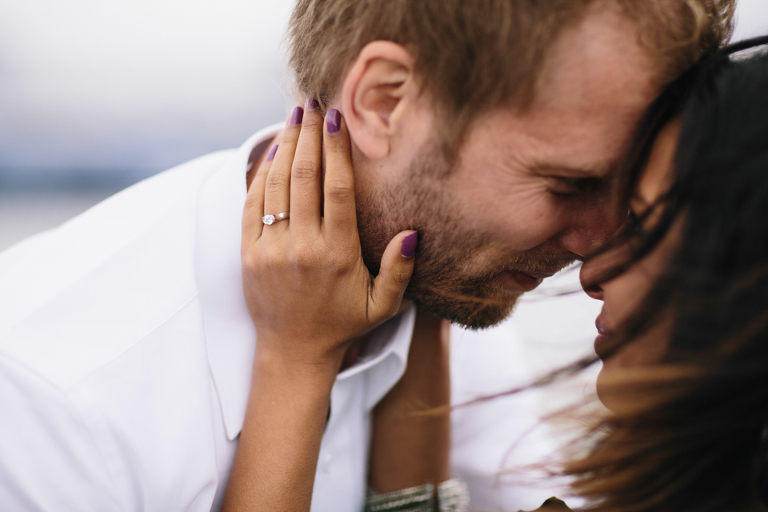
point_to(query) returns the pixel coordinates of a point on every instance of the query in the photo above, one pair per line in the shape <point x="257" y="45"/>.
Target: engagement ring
<point x="268" y="220"/>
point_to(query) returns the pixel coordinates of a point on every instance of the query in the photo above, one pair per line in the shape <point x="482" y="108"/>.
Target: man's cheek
<point x="521" y="227"/>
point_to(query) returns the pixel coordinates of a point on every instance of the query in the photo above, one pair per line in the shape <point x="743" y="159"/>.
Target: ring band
<point x="268" y="220"/>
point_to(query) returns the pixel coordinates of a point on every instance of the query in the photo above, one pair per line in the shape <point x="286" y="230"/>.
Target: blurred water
<point x="25" y="213"/>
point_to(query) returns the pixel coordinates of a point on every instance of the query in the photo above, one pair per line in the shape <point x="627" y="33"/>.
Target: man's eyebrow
<point x="568" y="171"/>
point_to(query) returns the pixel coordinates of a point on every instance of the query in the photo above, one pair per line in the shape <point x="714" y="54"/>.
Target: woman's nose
<point x="589" y="280"/>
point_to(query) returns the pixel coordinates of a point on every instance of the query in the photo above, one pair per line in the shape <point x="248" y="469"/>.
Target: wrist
<point x="298" y="389"/>
<point x="299" y="366"/>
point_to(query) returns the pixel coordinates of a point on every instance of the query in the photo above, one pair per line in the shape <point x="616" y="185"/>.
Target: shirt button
<point x="327" y="463"/>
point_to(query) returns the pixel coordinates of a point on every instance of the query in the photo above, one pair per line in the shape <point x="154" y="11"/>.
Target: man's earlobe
<point x="376" y="93"/>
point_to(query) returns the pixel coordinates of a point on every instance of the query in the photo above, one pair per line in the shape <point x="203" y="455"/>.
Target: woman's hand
<point x="308" y="294"/>
<point x="307" y="288"/>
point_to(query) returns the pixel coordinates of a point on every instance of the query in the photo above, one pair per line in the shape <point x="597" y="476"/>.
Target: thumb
<point x="394" y="274"/>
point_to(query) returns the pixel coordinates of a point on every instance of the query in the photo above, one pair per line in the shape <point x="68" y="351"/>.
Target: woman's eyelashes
<point x="634" y="224"/>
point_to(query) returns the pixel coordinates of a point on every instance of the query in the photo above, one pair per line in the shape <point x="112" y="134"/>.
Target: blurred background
<point x="96" y="95"/>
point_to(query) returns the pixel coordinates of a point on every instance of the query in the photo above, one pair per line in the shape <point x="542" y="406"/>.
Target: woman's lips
<point x="600" y="325"/>
<point x="603" y="339"/>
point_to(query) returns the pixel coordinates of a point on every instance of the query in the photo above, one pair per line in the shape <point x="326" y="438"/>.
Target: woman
<point x="684" y="329"/>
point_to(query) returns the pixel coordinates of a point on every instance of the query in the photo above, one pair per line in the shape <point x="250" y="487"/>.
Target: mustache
<point x="473" y="286"/>
<point x="534" y="262"/>
<point x="529" y="263"/>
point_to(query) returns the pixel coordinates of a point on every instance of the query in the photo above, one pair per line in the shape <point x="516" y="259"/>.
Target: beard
<point x="455" y="276"/>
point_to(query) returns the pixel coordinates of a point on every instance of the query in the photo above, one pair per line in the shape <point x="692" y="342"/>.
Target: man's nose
<point x="590" y="228"/>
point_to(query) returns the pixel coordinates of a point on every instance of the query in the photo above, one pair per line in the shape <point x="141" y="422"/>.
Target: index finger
<point x="339" y="190"/>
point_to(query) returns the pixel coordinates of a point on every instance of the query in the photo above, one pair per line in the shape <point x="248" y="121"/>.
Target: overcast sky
<point x="136" y="83"/>
<point x="146" y="84"/>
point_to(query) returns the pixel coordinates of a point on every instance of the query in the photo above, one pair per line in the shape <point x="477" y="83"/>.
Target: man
<point x="492" y="127"/>
<point x="493" y="134"/>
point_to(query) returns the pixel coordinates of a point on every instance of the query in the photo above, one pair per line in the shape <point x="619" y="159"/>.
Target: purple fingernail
<point x="333" y="120"/>
<point x="408" y="247"/>
<point x="312" y="104"/>
<point x="271" y="154"/>
<point x="296" y="116"/>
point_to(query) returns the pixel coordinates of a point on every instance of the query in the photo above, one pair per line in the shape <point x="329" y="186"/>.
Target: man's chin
<point x="473" y="315"/>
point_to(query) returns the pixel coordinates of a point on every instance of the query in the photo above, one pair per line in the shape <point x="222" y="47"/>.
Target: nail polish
<point x="271" y="154"/>
<point x="312" y="104"/>
<point x="296" y="116"/>
<point x="333" y="120"/>
<point x="408" y="247"/>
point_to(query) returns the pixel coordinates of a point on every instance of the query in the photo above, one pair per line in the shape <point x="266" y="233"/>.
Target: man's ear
<point x="376" y="94"/>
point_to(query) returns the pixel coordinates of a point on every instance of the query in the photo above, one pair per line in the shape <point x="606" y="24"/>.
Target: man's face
<point x="529" y="192"/>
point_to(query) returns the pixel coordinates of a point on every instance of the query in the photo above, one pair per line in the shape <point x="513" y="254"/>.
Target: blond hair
<point x="475" y="55"/>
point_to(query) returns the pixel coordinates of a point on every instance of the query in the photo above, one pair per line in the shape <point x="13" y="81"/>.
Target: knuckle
<point x="401" y="276"/>
<point x="276" y="180"/>
<point x="303" y="258"/>
<point x="252" y="203"/>
<point x="273" y="258"/>
<point x="247" y="259"/>
<point x="340" y="263"/>
<point x="305" y="170"/>
<point x="339" y="191"/>
<point x="256" y="260"/>
<point x="312" y="123"/>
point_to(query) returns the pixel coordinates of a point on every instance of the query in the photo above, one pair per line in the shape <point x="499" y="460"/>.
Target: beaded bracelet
<point x="452" y="496"/>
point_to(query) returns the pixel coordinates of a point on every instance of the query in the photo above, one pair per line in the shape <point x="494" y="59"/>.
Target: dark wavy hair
<point x="692" y="437"/>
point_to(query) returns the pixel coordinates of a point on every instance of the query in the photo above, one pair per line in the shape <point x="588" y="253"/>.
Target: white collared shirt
<point x="126" y="351"/>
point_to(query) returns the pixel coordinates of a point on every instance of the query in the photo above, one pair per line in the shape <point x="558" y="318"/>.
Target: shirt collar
<point x="386" y="356"/>
<point x="230" y="335"/>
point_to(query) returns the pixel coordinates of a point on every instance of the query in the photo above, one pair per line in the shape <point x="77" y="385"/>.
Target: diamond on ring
<point x="268" y="220"/>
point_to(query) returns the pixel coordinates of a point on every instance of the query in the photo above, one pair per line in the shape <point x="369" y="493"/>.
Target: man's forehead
<point x="597" y="59"/>
<point x="572" y="150"/>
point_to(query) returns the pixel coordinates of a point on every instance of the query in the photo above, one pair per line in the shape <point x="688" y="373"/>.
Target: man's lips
<point x="526" y="281"/>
